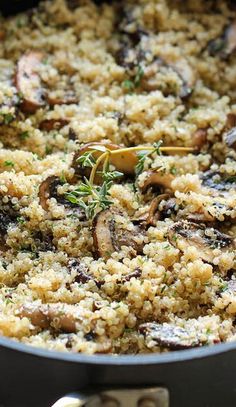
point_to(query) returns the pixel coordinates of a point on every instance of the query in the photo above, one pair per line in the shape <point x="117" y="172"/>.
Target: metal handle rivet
<point x="147" y="402"/>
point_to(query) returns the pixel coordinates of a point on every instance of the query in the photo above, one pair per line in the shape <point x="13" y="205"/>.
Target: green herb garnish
<point x="24" y="135"/>
<point x="93" y="198"/>
<point x="131" y="84"/>
<point x="7" y="118"/>
<point x="9" y="163"/>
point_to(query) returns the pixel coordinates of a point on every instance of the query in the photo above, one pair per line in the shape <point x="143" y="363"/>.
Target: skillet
<point x="203" y="377"/>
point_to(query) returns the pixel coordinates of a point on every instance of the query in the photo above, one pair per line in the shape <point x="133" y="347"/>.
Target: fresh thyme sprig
<point x="131" y="85"/>
<point x="91" y="197"/>
<point x="142" y="156"/>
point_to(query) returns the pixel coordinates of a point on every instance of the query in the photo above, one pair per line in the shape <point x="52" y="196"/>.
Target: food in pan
<point x="118" y="175"/>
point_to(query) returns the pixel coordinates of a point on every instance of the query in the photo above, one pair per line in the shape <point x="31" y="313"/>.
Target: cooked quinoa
<point x="135" y="254"/>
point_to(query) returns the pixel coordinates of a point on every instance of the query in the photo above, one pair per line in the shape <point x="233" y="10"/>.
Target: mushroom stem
<point x="95" y="167"/>
<point x="150" y="148"/>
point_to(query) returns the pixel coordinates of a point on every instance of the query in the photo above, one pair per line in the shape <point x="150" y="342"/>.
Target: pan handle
<point x="140" y="397"/>
<point x="73" y="400"/>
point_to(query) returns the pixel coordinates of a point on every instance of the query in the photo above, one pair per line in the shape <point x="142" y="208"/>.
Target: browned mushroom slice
<point x="169" y="336"/>
<point x="2" y="35"/>
<point x="135" y="274"/>
<point x="199" y="217"/>
<point x="28" y="82"/>
<point x="57" y="316"/>
<point x="157" y="179"/>
<point x="53" y="124"/>
<point x="7" y="218"/>
<point x="48" y="189"/>
<point x="230" y="138"/>
<point x="69" y="98"/>
<point x="199" y="138"/>
<point x="109" y="236"/>
<point x="81" y="273"/>
<point x="124" y="162"/>
<point x="180" y="67"/>
<point x="169" y="208"/>
<point x="152" y="215"/>
<point x="226" y="44"/>
<point x="231" y="121"/>
<point x="185" y="234"/>
<point x="218" y="183"/>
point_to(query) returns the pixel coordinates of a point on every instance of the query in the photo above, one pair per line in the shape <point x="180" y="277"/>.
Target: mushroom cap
<point x="28" y="82"/>
<point x="184" y="234"/>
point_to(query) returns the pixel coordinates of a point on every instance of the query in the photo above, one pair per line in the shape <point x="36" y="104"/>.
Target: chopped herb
<point x="48" y="149"/>
<point x="173" y="170"/>
<point x="7" y="118"/>
<point x="128" y="330"/>
<point x="24" y="135"/>
<point x="62" y="177"/>
<point x="163" y="288"/>
<point x="128" y="85"/>
<point x="20" y="95"/>
<point x="175" y="238"/>
<point x="9" y="163"/>
<point x="20" y="219"/>
<point x="138" y="76"/>
<point x="131" y="84"/>
<point x="224" y="287"/>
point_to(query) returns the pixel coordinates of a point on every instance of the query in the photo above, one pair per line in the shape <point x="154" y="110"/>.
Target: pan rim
<point x="116" y="360"/>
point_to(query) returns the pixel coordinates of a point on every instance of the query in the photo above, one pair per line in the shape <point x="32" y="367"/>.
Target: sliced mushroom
<point x="200" y="217"/>
<point x="53" y="124"/>
<point x="157" y="179"/>
<point x="43" y="242"/>
<point x="6" y="220"/>
<point x="199" y="138"/>
<point x="81" y="273"/>
<point x="57" y="316"/>
<point x="152" y="215"/>
<point x="69" y="98"/>
<point x="109" y="236"/>
<point x="218" y="183"/>
<point x="169" y="336"/>
<point x="2" y="35"/>
<point x="28" y="82"/>
<point x="185" y="234"/>
<point x="123" y="162"/>
<point x="180" y="66"/>
<point x="231" y="121"/>
<point x="226" y="44"/>
<point x="230" y="138"/>
<point x="135" y="274"/>
<point x="48" y="189"/>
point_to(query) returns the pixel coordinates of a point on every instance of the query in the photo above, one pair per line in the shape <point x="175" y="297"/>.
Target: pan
<point x="203" y="377"/>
